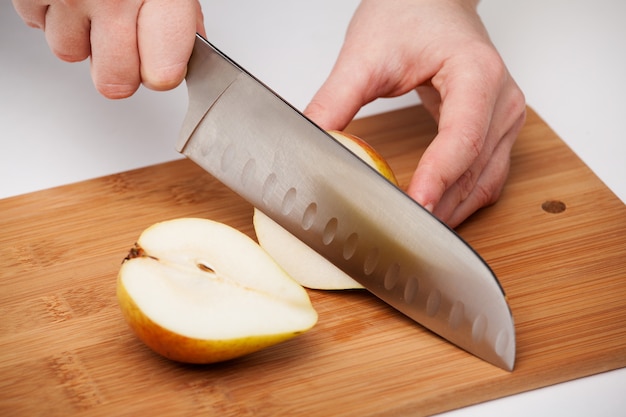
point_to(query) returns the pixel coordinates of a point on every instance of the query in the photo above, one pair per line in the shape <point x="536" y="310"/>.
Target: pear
<point x="302" y="263"/>
<point x="199" y="291"/>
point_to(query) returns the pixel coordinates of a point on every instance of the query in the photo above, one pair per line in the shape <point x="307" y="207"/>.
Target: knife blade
<point x="260" y="146"/>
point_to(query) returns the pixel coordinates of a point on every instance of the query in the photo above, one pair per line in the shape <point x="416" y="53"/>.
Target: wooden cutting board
<point x="65" y="349"/>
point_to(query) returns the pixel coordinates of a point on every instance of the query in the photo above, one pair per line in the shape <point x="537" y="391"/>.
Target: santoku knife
<point x="257" y="144"/>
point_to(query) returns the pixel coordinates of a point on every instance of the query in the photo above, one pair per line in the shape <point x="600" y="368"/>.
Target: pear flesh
<point x="199" y="291"/>
<point x="301" y="262"/>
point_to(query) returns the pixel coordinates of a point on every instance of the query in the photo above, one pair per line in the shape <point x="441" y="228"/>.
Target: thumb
<point x="339" y="99"/>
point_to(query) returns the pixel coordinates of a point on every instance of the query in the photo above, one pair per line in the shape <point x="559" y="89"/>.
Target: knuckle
<point x="466" y="184"/>
<point x="34" y="23"/>
<point x="114" y="84"/>
<point x="488" y="192"/>
<point x="486" y="195"/>
<point x="489" y="67"/>
<point x="68" y="46"/>
<point x="70" y="55"/>
<point x="516" y="106"/>
<point x="518" y="101"/>
<point x="472" y="140"/>
<point x="116" y="90"/>
<point x="165" y="78"/>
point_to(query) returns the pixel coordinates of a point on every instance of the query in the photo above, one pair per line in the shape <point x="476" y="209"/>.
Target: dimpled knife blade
<point x="257" y="144"/>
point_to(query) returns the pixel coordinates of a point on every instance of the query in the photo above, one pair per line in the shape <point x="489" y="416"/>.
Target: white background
<point x="569" y="57"/>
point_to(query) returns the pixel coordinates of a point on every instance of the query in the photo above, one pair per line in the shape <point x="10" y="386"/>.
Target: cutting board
<point x="556" y="240"/>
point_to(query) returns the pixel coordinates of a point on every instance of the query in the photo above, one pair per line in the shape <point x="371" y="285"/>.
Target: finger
<point x="465" y="185"/>
<point x="33" y="13"/>
<point x="114" y="54"/>
<point x="342" y="95"/>
<point x="67" y="32"/>
<point x="166" y="34"/>
<point x="200" y="19"/>
<point x="464" y="117"/>
<point x="490" y="171"/>
<point x="489" y="186"/>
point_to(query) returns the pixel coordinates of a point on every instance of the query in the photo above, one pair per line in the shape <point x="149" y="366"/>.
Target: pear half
<point x="301" y="262"/>
<point x="199" y="291"/>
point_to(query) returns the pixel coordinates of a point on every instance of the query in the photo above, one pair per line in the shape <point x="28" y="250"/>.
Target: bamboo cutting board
<point x="65" y="349"/>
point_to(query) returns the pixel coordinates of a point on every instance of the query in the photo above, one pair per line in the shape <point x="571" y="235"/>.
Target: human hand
<point x="441" y="49"/>
<point x="129" y="42"/>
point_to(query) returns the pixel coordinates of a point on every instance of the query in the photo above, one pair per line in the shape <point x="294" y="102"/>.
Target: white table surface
<point x="569" y="57"/>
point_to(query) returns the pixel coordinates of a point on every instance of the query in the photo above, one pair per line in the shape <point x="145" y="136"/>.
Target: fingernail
<point x="35" y="25"/>
<point x="429" y="207"/>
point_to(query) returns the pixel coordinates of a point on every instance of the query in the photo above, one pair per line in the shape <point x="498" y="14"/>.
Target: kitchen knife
<point x="257" y="144"/>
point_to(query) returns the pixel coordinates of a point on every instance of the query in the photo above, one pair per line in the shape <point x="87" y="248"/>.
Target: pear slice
<point x="301" y="262"/>
<point x="199" y="291"/>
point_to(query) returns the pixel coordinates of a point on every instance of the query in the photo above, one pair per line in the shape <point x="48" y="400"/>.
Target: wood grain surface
<point x="65" y="349"/>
